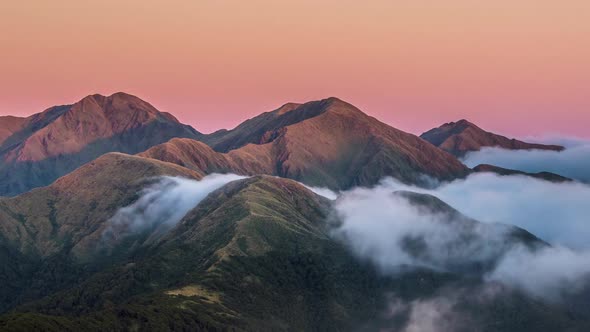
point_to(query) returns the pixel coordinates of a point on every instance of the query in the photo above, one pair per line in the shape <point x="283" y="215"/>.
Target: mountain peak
<point x="335" y="100"/>
<point x="453" y="127"/>
<point x="268" y="126"/>
<point x="327" y="104"/>
<point x="328" y="143"/>
<point x="117" y="99"/>
<point x="286" y="108"/>
<point x="335" y="103"/>
<point x="56" y="141"/>
<point x="463" y="123"/>
<point x="119" y="94"/>
<point x="462" y="136"/>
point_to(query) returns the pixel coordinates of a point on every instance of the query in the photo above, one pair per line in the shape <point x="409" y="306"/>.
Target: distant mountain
<point x="462" y="136"/>
<point x="327" y="143"/>
<point x="35" y="151"/>
<point x="505" y="171"/>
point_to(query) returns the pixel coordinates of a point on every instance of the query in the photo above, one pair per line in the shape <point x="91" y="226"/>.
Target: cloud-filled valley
<point x="556" y="212"/>
<point x="573" y="162"/>
<point x="387" y="227"/>
<point x="377" y="224"/>
<point x="397" y="230"/>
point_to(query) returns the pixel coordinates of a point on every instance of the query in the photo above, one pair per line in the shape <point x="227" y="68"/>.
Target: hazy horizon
<point x="547" y="137"/>
<point x="519" y="69"/>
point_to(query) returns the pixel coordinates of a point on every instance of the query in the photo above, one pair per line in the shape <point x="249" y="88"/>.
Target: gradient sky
<point x="516" y="67"/>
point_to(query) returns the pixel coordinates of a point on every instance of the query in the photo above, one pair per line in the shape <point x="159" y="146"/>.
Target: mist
<point x="376" y="224"/>
<point x="387" y="228"/>
<point x="573" y="162"/>
<point x="164" y="203"/>
<point x="324" y="192"/>
<point x="551" y="273"/>
<point x="437" y="313"/>
<point x="556" y="212"/>
<point x="559" y="139"/>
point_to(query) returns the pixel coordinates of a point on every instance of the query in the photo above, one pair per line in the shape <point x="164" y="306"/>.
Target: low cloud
<point x="566" y="141"/>
<point x="325" y="192"/>
<point x="448" y="309"/>
<point x="573" y="162"/>
<point x="386" y="227"/>
<point x="164" y="204"/>
<point x="556" y="212"/>
<point x="434" y="314"/>
<point x="552" y="273"/>
<point x="393" y="232"/>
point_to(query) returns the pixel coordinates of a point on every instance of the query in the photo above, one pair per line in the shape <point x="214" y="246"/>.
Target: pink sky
<point x="516" y="67"/>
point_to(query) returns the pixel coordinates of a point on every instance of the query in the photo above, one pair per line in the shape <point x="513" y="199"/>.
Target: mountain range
<point x="327" y="143"/>
<point x="84" y="246"/>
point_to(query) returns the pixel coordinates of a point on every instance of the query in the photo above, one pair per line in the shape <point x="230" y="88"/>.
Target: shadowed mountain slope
<point x="37" y="150"/>
<point x="463" y="136"/>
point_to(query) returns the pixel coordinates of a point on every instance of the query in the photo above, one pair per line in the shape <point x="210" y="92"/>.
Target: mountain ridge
<point x="462" y="136"/>
<point x="52" y="143"/>
<point x="548" y="176"/>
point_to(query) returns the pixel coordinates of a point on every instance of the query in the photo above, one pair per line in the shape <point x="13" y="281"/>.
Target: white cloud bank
<point x="325" y="192"/>
<point x="164" y="203"/>
<point x="392" y="232"/>
<point x="556" y="212"/>
<point x="376" y="223"/>
<point x="573" y="162"/>
<point x="551" y="273"/>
